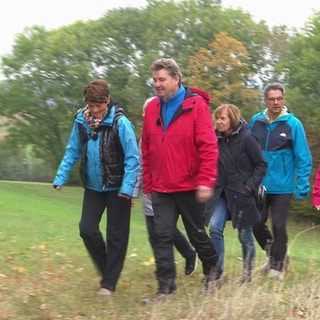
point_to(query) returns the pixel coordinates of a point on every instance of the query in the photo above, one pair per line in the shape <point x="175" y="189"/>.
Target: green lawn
<point x="45" y="272"/>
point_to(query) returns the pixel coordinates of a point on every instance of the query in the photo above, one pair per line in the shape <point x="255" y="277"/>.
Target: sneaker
<point x="191" y="265"/>
<point x="275" y="274"/>
<point x="266" y="266"/>
<point x="104" y="292"/>
<point x="159" y="297"/>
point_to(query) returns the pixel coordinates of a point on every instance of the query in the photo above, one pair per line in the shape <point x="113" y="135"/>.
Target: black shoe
<point x="191" y="265"/>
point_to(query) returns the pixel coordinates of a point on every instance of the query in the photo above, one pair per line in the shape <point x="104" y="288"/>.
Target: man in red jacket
<point x="179" y="156"/>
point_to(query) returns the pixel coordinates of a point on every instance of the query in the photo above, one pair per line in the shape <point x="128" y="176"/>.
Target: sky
<point x="15" y="15"/>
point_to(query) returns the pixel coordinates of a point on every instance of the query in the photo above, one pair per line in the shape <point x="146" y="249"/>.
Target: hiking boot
<point x="266" y="266"/>
<point x="159" y="297"/>
<point x="276" y="274"/>
<point x="191" y="264"/>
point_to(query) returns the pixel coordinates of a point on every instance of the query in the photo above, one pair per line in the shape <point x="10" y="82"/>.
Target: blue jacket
<point x="285" y="147"/>
<point x="94" y="160"/>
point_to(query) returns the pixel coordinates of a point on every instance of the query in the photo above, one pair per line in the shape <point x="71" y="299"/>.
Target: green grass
<point x="46" y="273"/>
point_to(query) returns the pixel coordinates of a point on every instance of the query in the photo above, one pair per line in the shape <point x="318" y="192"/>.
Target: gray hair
<point x="170" y="65"/>
<point x="273" y="86"/>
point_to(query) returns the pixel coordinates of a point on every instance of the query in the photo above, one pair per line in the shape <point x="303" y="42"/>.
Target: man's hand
<point x="204" y="193"/>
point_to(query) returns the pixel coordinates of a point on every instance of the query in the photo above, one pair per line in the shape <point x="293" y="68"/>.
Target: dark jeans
<point x="107" y="255"/>
<point x="166" y="207"/>
<point x="180" y="242"/>
<point x="278" y="205"/>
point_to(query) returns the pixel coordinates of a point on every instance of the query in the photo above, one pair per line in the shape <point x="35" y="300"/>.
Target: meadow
<point x="46" y="273"/>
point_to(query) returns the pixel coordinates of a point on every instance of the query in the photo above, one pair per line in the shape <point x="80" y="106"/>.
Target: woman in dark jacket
<point x="241" y="169"/>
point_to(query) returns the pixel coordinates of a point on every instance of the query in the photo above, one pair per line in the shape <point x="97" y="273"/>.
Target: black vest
<point x="111" y="153"/>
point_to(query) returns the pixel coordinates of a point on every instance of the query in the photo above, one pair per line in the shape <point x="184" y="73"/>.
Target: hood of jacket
<point x="205" y="95"/>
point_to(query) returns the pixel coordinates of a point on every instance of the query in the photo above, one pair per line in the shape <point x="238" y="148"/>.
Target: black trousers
<point x="181" y="243"/>
<point x="167" y="207"/>
<point x="278" y="206"/>
<point x="108" y="255"/>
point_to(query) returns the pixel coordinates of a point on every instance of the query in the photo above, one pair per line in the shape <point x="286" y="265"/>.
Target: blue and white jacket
<point x="285" y="147"/>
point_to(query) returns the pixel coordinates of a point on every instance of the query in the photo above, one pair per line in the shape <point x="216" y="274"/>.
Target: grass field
<point x="45" y="272"/>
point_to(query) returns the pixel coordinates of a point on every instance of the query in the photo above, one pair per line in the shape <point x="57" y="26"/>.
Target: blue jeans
<point x="248" y="249"/>
<point x="217" y="224"/>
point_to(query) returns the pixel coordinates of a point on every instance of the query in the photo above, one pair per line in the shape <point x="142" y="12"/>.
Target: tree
<point x="42" y="91"/>
<point x="45" y="73"/>
<point x="301" y="69"/>
<point x="222" y="70"/>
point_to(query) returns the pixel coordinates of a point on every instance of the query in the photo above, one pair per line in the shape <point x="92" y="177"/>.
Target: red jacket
<point x="186" y="155"/>
<point x="316" y="189"/>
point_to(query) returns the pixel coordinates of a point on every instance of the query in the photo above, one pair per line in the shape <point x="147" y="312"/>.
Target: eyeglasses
<point x="274" y="99"/>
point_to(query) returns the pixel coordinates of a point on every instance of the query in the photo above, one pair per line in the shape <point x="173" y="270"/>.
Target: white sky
<point x="293" y="13"/>
<point x="17" y="14"/>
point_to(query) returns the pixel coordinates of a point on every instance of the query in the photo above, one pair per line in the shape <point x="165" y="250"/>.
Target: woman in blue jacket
<point x="104" y="139"/>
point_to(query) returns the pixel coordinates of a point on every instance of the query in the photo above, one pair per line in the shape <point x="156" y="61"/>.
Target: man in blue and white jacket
<point x="284" y="144"/>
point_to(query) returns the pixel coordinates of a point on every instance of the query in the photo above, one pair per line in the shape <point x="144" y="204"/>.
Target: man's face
<point x="165" y="85"/>
<point x="274" y="103"/>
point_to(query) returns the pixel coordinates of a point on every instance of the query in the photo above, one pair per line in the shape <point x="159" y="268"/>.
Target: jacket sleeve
<point x="145" y="150"/>
<point x="207" y="146"/>
<point x="138" y="185"/>
<point x="303" y="160"/>
<point x="131" y="155"/>
<point x="316" y="189"/>
<point x="71" y="156"/>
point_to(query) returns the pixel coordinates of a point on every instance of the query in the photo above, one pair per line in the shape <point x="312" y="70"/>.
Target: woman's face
<point x="97" y="109"/>
<point x="222" y="122"/>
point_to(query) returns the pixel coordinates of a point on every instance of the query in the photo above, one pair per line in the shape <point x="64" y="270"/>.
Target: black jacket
<point x="247" y="154"/>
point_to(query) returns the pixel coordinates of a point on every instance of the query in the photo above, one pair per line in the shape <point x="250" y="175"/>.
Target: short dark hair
<point x="273" y="86"/>
<point x="96" y="91"/>
<point x="170" y="65"/>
